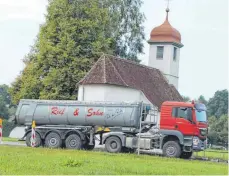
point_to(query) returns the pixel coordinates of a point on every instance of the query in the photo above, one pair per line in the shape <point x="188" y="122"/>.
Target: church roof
<point x="116" y="71"/>
<point x="165" y="33"/>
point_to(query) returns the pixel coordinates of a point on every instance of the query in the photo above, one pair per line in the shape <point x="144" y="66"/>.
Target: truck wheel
<point x="89" y="147"/>
<point x="113" y="144"/>
<point x="127" y="150"/>
<point x="38" y="142"/>
<point x="73" y="141"/>
<point x="53" y="140"/>
<point x="186" y="155"/>
<point x="171" y="149"/>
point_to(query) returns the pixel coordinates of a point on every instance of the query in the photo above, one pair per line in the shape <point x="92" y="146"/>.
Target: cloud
<point x="23" y="9"/>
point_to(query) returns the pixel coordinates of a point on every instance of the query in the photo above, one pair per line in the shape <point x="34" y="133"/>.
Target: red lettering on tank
<point x="91" y="112"/>
<point x="76" y="112"/>
<point x="57" y="111"/>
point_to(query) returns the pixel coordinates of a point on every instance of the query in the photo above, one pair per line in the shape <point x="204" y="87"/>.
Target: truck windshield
<point x="201" y="116"/>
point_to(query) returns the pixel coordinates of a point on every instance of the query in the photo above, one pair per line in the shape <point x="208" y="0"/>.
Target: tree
<point x="75" y="34"/>
<point x="218" y="130"/>
<point x="4" y="94"/>
<point x="4" y="101"/>
<point x="125" y="27"/>
<point x="186" y="99"/>
<point x="3" y="109"/>
<point x="201" y="99"/>
<point x="218" y="104"/>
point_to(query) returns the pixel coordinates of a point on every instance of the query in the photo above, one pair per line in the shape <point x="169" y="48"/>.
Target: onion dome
<point x="165" y="33"/>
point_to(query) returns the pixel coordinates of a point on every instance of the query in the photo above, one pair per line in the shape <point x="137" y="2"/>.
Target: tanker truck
<point x="176" y="130"/>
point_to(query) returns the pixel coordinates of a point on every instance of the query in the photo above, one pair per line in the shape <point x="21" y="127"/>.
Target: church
<point x="116" y="79"/>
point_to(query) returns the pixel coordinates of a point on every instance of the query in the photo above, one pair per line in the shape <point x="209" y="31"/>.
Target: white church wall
<point x="92" y="92"/>
<point x="81" y="93"/>
<point x="161" y="64"/>
<point x="172" y="80"/>
<point x="174" y="65"/>
<point x="167" y="65"/>
<point x="174" y="69"/>
<point x="106" y="92"/>
<point x="120" y="93"/>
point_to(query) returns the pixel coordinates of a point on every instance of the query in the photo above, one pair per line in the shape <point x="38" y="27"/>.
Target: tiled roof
<point x="116" y="71"/>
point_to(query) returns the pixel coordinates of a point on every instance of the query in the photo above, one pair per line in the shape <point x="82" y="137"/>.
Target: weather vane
<point x="168" y="1"/>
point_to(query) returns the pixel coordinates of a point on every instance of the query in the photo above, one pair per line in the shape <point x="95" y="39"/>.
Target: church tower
<point x="164" y="54"/>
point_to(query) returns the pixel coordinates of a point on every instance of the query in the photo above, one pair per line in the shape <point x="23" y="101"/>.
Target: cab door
<point x="184" y="121"/>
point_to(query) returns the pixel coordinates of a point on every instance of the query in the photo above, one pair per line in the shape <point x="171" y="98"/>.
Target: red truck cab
<point x="187" y="121"/>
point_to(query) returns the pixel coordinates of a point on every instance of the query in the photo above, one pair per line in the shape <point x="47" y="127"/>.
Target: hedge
<point x="7" y="128"/>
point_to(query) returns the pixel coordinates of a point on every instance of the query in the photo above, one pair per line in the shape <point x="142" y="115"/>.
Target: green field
<point x="23" y="160"/>
<point x="217" y="154"/>
<point x="8" y="139"/>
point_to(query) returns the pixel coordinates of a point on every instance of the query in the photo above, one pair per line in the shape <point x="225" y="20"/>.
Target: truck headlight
<point x="196" y="141"/>
<point x="203" y="131"/>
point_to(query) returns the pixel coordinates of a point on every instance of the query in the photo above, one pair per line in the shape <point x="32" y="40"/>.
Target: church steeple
<point x="165" y="32"/>
<point x="165" y="44"/>
<point x="167" y="13"/>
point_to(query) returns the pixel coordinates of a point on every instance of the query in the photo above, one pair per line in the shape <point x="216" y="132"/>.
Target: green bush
<point x="7" y="128"/>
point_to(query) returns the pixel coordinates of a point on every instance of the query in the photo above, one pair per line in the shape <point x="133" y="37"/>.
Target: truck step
<point x="152" y="151"/>
<point x="148" y="123"/>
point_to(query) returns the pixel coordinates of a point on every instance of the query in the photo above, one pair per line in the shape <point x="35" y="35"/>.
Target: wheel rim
<point x="73" y="143"/>
<point x="114" y="144"/>
<point x="53" y="141"/>
<point x="171" y="150"/>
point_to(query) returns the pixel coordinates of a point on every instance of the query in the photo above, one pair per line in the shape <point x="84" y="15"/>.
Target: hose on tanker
<point x="85" y="129"/>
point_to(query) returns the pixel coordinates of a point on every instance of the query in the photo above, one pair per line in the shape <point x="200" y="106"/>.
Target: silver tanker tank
<point x="62" y="112"/>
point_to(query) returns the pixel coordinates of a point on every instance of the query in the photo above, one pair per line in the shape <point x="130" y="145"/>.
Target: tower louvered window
<point x="160" y="51"/>
<point x="174" y="53"/>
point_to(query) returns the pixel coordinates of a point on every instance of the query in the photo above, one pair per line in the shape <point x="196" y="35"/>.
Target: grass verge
<point x="8" y="139"/>
<point x="216" y="154"/>
<point x="23" y="160"/>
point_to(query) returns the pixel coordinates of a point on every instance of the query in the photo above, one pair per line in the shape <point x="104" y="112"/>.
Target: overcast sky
<point x="203" y="25"/>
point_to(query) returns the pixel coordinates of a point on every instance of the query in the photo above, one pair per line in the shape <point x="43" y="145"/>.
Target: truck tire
<point x="53" y="140"/>
<point x="127" y="150"/>
<point x="186" y="155"/>
<point x="172" y="149"/>
<point x="113" y="144"/>
<point x="73" y="141"/>
<point x="89" y="147"/>
<point x="38" y="142"/>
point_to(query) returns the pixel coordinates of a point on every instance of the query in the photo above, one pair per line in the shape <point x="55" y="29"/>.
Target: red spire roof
<point x="165" y="32"/>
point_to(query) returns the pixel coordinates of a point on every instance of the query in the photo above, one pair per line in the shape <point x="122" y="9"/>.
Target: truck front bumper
<point x="198" y="144"/>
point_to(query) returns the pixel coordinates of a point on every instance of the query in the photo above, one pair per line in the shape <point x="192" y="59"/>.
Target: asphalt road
<point x="13" y="143"/>
<point x="22" y="144"/>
